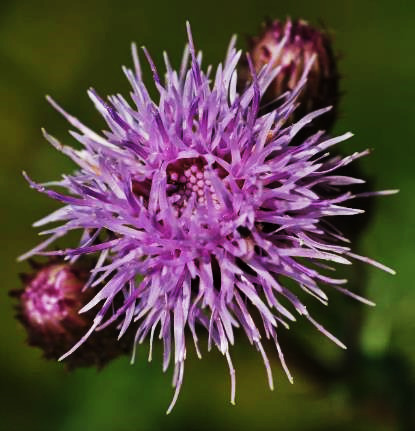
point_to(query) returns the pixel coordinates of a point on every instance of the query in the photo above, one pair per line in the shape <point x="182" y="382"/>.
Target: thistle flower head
<point x="303" y="42"/>
<point x="207" y="202"/>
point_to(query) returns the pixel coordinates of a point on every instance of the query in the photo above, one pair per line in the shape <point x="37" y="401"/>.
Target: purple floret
<point x="197" y="208"/>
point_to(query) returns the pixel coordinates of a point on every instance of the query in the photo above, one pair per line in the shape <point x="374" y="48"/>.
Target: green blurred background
<point x="61" y="48"/>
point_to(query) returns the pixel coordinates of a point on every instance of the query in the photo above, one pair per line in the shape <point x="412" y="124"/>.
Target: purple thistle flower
<point x="206" y="201"/>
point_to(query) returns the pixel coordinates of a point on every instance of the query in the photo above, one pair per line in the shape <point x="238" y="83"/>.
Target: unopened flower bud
<point x="49" y="307"/>
<point x="303" y="42"/>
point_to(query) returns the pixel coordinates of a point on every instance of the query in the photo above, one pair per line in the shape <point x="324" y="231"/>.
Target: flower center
<point x="187" y="182"/>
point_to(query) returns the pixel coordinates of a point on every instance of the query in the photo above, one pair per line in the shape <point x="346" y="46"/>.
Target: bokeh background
<point x="62" y="48"/>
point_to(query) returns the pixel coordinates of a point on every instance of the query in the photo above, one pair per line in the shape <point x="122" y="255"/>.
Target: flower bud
<point x="49" y="307"/>
<point x="303" y="42"/>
